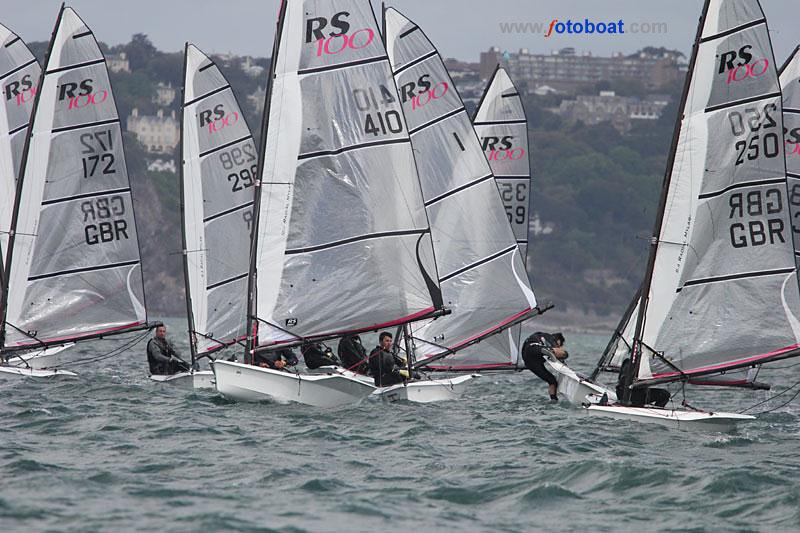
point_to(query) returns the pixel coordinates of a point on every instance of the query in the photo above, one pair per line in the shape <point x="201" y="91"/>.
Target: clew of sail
<point x="483" y="275"/>
<point x="19" y="72"/>
<point x="342" y="241"/>
<point x="723" y="285"/>
<point x="73" y="264"/>
<point x="218" y="179"/>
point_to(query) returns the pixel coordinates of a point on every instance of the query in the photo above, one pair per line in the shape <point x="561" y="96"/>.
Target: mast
<point x="636" y="349"/>
<point x="252" y="319"/>
<point x="186" y="284"/>
<point x="613" y="343"/>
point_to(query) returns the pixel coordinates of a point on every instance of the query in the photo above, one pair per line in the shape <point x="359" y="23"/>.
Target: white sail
<point x="73" y="266"/>
<point x="502" y="128"/>
<point x="723" y="292"/>
<point x="790" y="86"/>
<point x="19" y="73"/>
<point x="482" y="273"/>
<point x="343" y="241"/>
<point x="218" y="176"/>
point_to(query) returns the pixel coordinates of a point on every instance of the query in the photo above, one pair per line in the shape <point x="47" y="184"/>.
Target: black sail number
<point x="97" y="152"/>
<point x="240" y="162"/>
<point x="753" y="123"/>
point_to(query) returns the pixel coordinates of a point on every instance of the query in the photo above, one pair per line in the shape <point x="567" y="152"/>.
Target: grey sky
<point x="460" y="29"/>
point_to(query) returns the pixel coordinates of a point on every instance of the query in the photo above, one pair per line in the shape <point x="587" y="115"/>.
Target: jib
<point x="756" y="232"/>
<point x="22" y="89"/>
<point x="314" y="26"/>
<point x="101" y="229"/>
<point x="726" y="59"/>
<point x="491" y="143"/>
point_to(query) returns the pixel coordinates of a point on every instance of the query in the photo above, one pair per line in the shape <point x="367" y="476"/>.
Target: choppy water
<point x="113" y="451"/>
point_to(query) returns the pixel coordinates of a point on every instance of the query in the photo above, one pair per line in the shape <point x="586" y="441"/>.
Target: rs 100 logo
<point x="502" y="148"/>
<point x="217" y="119"/>
<point x="21" y="90"/>
<point x="422" y="91"/>
<point x="792" y="141"/>
<point x="338" y="39"/>
<point x="739" y="65"/>
<point x="81" y="94"/>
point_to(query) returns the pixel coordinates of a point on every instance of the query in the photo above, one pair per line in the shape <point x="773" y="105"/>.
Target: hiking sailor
<point x="534" y="350"/>
<point x="162" y="357"/>
<point x="383" y="365"/>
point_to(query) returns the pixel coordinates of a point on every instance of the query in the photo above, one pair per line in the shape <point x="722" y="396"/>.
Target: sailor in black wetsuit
<point x="383" y="364"/>
<point x="317" y="355"/>
<point x="640" y="396"/>
<point x="353" y="354"/>
<point x="276" y="359"/>
<point x="162" y="357"/>
<point x="534" y="350"/>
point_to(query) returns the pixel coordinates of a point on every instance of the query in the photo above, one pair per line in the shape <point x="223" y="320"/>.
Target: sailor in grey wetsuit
<point x="162" y="357"/>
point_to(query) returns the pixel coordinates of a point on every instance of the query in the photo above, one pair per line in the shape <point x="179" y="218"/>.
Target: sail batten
<point x="343" y="242"/>
<point x="481" y="267"/>
<point x="73" y="267"/>
<point x="724" y="250"/>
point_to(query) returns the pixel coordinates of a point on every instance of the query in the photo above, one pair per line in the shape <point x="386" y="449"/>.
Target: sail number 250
<point x="755" y="122"/>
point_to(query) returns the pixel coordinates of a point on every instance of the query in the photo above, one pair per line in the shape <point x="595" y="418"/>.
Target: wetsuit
<point x="353" y="354"/>
<point x="384" y="369"/>
<point x="269" y="359"/>
<point x="317" y="355"/>
<point x="534" y="350"/>
<point x="643" y="395"/>
<point x="163" y="359"/>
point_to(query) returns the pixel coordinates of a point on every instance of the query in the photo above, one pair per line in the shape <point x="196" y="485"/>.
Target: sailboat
<point x="342" y="242"/>
<point x="479" y="258"/>
<point x="19" y="72"/>
<point x="218" y="176"/>
<point x="72" y="265"/>
<point x="721" y="290"/>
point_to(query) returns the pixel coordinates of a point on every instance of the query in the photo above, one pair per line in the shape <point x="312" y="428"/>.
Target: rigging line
<point x="116" y="351"/>
<point x="772" y="398"/>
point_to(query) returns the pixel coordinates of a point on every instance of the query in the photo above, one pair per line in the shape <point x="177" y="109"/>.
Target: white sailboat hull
<point x="203" y="379"/>
<point x="576" y="388"/>
<point x="425" y="391"/>
<point x="675" y="418"/>
<point x="248" y="383"/>
<point x="37" y="364"/>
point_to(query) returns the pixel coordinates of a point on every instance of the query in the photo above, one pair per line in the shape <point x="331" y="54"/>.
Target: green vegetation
<point x="599" y="190"/>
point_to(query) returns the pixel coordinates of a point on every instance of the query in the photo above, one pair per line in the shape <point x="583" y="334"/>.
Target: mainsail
<point x="482" y="273"/>
<point x="218" y="179"/>
<point x="73" y="263"/>
<point x="502" y="127"/>
<point x="721" y="289"/>
<point x="19" y="72"/>
<point x="342" y="241"/>
<point x="790" y="86"/>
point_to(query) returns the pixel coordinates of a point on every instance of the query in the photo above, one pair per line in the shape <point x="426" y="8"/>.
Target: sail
<point x="502" y="127"/>
<point x="723" y="292"/>
<point x="218" y="177"/>
<point x="482" y="273"/>
<point x="19" y="72"/>
<point x="343" y="242"/>
<point x="790" y="86"/>
<point x="73" y="266"/>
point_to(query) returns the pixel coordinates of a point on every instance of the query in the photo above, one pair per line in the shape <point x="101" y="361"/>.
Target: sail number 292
<point x="242" y="167"/>
<point x="755" y="123"/>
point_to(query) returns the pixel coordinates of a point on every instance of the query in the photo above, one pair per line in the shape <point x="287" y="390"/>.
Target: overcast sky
<point x="460" y="28"/>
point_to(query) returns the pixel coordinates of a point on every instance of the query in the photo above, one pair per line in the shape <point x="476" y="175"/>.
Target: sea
<point x="113" y="451"/>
